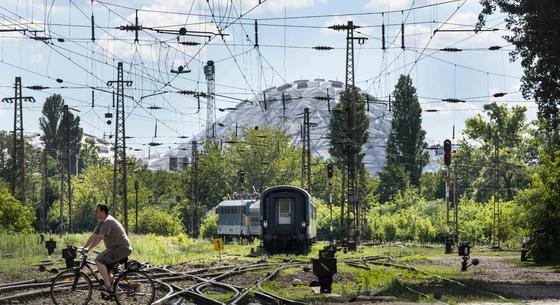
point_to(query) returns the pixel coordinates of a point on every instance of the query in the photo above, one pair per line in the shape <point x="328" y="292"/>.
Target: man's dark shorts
<point x="112" y="255"/>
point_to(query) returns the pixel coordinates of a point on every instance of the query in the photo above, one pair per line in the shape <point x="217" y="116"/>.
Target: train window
<point x="284" y="211"/>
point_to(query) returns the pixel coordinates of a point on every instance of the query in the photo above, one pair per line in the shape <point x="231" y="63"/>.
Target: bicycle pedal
<point x="106" y="295"/>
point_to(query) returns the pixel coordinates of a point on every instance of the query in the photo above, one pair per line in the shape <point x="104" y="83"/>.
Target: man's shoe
<point x="106" y="293"/>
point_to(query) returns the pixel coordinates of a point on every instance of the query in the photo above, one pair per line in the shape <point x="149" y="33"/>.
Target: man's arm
<point x="89" y="241"/>
<point x="93" y="241"/>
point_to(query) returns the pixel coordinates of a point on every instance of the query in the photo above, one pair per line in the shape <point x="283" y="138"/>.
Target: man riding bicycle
<point x="116" y="243"/>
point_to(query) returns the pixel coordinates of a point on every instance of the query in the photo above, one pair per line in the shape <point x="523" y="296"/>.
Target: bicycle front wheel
<point x="134" y="287"/>
<point x="71" y="287"/>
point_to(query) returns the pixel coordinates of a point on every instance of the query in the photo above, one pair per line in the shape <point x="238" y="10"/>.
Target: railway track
<point x="200" y="285"/>
<point x="213" y="285"/>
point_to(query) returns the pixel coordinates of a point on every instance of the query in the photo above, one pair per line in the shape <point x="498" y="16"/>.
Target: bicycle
<point x="74" y="286"/>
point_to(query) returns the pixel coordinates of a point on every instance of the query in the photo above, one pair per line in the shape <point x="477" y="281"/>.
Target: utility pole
<point x="362" y="200"/>
<point x="210" y="72"/>
<point x="306" y="152"/>
<point x="61" y="197"/>
<point x="456" y="202"/>
<point x="194" y="188"/>
<point x="330" y="173"/>
<point x="44" y="178"/>
<point x="136" y="207"/>
<point x="447" y="162"/>
<point x="68" y="165"/>
<point x="352" y="208"/>
<point x="119" y="164"/>
<point x="496" y="208"/>
<point x="18" y="185"/>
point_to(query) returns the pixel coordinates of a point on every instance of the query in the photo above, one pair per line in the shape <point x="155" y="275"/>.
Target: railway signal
<point x="447" y="152"/>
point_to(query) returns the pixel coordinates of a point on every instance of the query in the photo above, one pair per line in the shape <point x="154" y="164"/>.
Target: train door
<point x="285" y="207"/>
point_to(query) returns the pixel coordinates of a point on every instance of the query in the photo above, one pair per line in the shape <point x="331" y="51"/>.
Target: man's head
<point x="101" y="211"/>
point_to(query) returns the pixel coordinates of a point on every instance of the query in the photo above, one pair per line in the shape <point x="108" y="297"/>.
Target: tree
<point x="266" y="156"/>
<point x="393" y="178"/>
<point x="216" y="175"/>
<point x="50" y="122"/>
<point x="14" y="217"/>
<point x="405" y="145"/>
<point x="432" y="185"/>
<point x="535" y="25"/>
<point x="503" y="130"/>
<point x="71" y="138"/>
<point x="542" y="205"/>
<point x="345" y="140"/>
<point x="53" y="125"/>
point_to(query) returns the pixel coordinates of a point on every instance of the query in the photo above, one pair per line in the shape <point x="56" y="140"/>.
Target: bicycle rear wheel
<point x="71" y="287"/>
<point x="134" y="287"/>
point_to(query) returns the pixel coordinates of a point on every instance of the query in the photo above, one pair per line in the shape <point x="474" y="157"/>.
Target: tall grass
<point x="20" y="250"/>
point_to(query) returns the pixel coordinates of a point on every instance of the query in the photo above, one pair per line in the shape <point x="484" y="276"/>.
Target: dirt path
<point x="534" y="283"/>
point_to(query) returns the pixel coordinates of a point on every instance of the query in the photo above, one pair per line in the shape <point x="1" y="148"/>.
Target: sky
<point x="287" y="32"/>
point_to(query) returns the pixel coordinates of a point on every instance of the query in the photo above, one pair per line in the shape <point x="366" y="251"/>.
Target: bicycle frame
<point x="84" y="263"/>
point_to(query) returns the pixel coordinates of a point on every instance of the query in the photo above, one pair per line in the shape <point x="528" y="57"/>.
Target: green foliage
<point x="217" y="176"/>
<point x="53" y="124"/>
<point x="209" y="226"/>
<point x="14" y="217"/>
<point x="406" y="154"/>
<point x="406" y="144"/>
<point x="160" y="222"/>
<point x="324" y="220"/>
<point x="432" y="185"/>
<point x="542" y="205"/>
<point x="410" y="217"/>
<point x="393" y="179"/>
<point x="501" y="134"/>
<point x="534" y="29"/>
<point x="343" y="138"/>
<point x="267" y="157"/>
<point x="50" y="122"/>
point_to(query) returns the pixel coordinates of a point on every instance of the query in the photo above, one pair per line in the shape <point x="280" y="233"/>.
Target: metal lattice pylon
<point x="351" y="151"/>
<point x="119" y="164"/>
<point x="18" y="182"/>
<point x="306" y="152"/>
<point x="210" y="72"/>
<point x="194" y="189"/>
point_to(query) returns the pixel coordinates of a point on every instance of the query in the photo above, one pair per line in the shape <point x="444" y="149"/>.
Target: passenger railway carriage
<point x="288" y="219"/>
<point x="238" y="219"/>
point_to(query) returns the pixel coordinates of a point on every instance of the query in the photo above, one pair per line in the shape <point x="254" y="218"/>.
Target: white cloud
<point x="388" y="4"/>
<point x="37" y="58"/>
<point x="157" y="52"/>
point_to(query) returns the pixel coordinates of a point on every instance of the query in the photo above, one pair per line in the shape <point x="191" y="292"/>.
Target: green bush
<point x="14" y="217"/>
<point x="158" y="222"/>
<point x="542" y="205"/>
<point x="209" y="226"/>
<point x="324" y="219"/>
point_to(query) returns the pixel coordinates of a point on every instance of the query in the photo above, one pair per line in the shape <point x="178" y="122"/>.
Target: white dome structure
<point x="269" y="109"/>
